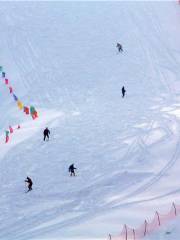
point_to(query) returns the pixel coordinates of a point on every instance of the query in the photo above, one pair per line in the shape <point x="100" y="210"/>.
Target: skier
<point x="71" y="170"/>
<point x="119" y="47"/>
<point x="30" y="183"/>
<point x="46" y="133"/>
<point x="123" y="92"/>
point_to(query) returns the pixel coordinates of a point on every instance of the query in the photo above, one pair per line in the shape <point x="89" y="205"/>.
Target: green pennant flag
<point x="7" y="133"/>
<point x="1" y="68"/>
<point x="32" y="110"/>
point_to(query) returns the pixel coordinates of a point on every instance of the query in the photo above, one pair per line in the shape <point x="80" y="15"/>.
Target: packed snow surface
<point x="61" y="57"/>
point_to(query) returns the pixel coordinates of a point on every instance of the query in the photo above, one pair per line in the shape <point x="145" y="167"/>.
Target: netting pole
<point x="134" y="235"/>
<point x="158" y="218"/>
<point x="175" y="212"/>
<point x="126" y="237"/>
<point x="145" y="228"/>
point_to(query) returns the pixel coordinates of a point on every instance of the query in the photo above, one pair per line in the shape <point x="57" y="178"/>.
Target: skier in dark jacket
<point x="30" y="183"/>
<point x="46" y="133"/>
<point x="123" y="91"/>
<point x="119" y="47"/>
<point x="71" y="170"/>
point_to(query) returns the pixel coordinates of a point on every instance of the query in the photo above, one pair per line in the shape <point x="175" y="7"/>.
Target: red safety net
<point x="147" y="227"/>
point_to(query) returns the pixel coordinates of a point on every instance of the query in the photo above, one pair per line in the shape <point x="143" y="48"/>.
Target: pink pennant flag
<point x="10" y="89"/>
<point x="6" y="81"/>
<point x="35" y="115"/>
<point x="10" y="129"/>
<point x="7" y="139"/>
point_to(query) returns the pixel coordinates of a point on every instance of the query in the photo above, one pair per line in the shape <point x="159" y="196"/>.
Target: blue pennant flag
<point x="15" y="98"/>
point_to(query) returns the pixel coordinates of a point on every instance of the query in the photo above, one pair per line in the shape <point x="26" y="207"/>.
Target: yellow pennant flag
<point x="20" y="105"/>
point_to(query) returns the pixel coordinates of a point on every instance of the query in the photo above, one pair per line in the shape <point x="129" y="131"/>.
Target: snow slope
<point x="62" y="58"/>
